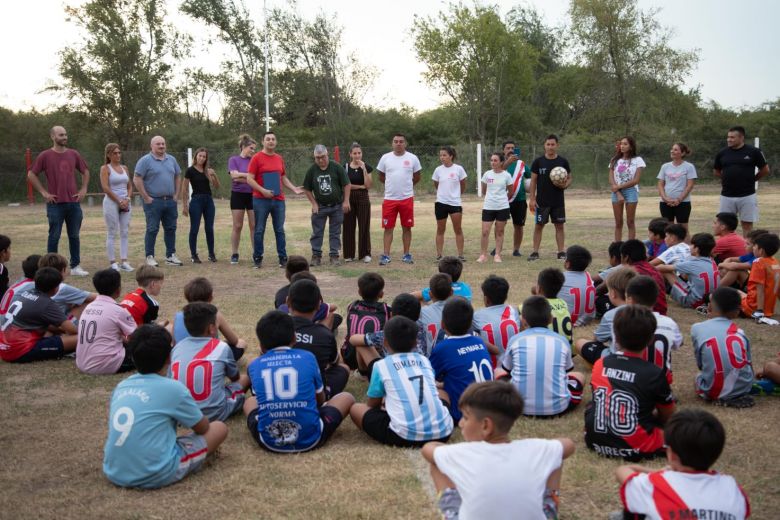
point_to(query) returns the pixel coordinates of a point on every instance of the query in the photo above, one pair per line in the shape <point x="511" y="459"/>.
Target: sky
<point x="739" y="53"/>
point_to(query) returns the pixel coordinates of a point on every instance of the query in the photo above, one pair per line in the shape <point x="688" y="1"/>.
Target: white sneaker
<point x="78" y="271"/>
<point x="115" y="266"/>
<point x="124" y="266"/>
<point x="173" y="260"/>
<point x="367" y="259"/>
<point x="151" y="261"/>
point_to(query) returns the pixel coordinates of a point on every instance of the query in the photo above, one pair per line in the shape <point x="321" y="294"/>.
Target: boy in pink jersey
<point x="687" y="488"/>
<point x="103" y="329"/>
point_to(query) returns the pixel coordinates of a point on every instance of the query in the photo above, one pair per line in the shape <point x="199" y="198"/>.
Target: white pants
<point x="116" y="221"/>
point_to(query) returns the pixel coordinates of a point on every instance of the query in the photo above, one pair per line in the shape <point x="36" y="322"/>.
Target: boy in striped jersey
<point x="687" y="488"/>
<point x="538" y="361"/>
<point x="497" y="322"/>
<point x="723" y="353"/>
<point x="698" y="275"/>
<point x="415" y="410"/>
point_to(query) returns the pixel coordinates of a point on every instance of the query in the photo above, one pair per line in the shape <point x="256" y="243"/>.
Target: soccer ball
<point x="527" y="183"/>
<point x="558" y="176"/>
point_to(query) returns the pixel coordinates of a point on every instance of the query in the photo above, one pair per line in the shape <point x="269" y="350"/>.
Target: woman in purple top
<point x="241" y="194"/>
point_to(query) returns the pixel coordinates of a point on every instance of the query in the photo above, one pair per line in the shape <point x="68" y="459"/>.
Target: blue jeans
<point x="275" y="208"/>
<point x="202" y="206"/>
<point x="70" y="214"/>
<point x="164" y="211"/>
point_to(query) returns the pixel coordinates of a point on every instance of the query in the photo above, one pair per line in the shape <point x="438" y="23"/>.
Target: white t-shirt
<point x="399" y="170"/>
<point x="677" y="253"/>
<point x="499" y="481"/>
<point x="625" y="169"/>
<point x="449" y="183"/>
<point x="495" y="194"/>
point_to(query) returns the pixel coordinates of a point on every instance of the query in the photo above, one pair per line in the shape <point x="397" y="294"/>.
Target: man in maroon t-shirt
<point x="59" y="164"/>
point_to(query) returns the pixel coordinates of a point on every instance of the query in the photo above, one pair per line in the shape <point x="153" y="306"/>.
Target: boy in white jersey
<point x="578" y="290"/>
<point x="142" y="449"/>
<point x="202" y="362"/>
<point x="497" y="322"/>
<point x="698" y="275"/>
<point x="430" y="315"/>
<point x="415" y="411"/>
<point x="723" y="353"/>
<point x="676" y="248"/>
<point x="479" y="478"/>
<point x="687" y="488"/>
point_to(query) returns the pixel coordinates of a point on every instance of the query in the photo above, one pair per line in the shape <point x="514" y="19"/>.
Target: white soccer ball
<point x="527" y="183"/>
<point x="558" y="176"/>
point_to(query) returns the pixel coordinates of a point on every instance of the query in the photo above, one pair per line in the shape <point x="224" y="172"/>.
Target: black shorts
<point x="376" y="423"/>
<point x="442" y="210"/>
<point x="331" y="419"/>
<point x="369" y="369"/>
<point x="240" y="200"/>
<point x="500" y="215"/>
<point x="554" y="214"/>
<point x="127" y="363"/>
<point x="680" y="213"/>
<point x="518" y="209"/>
<point x="592" y="350"/>
<point x="49" y="347"/>
<point x="336" y="378"/>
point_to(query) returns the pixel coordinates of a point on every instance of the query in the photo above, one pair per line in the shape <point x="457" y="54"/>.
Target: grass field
<point x="54" y="419"/>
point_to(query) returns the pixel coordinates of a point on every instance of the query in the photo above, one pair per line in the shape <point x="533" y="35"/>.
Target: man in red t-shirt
<point x="266" y="177"/>
<point x="728" y="243"/>
<point x="62" y="198"/>
<point x="633" y="253"/>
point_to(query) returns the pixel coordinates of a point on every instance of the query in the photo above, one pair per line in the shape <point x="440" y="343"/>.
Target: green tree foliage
<point x="120" y="75"/>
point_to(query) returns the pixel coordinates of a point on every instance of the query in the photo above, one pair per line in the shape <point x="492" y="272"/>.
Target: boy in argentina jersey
<point x="202" y="362"/>
<point x="723" y="353"/>
<point x="700" y="271"/>
<point x="621" y="419"/>
<point x="460" y="358"/>
<point x="687" y="487"/>
<point x="430" y="315"/>
<point x="142" y="449"/>
<point x="289" y="413"/>
<point x="497" y="322"/>
<point x="538" y="360"/>
<point x="578" y="290"/>
<point x="414" y="411"/>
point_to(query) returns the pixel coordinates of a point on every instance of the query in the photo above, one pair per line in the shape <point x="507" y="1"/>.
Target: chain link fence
<point x="589" y="163"/>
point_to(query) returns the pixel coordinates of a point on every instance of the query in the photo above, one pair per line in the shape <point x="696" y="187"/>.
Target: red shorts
<point x="392" y="208"/>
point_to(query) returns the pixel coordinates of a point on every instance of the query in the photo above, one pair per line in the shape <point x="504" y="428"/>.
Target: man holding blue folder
<point x="266" y="176"/>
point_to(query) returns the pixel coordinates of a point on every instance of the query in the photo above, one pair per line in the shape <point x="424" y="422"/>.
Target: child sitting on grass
<point x="698" y="275"/>
<point x="289" y="413"/>
<point x="656" y="230"/>
<point x="497" y="321"/>
<point x="548" y="284"/>
<point x="453" y="266"/>
<point x="415" y="410"/>
<point x="430" y="315"/>
<point x="539" y="363"/>
<point x="29" y="268"/>
<point x="479" y="478"/>
<point x="202" y="362"/>
<point x="677" y="250"/>
<point x="633" y="254"/>
<point x="71" y="300"/>
<point x="578" y="290"/>
<point x="764" y="282"/>
<point x="723" y="353"/>
<point x="142" y="449"/>
<point x="200" y="290"/>
<point x="325" y="314"/>
<point x="141" y="303"/>
<point x="104" y="327"/>
<point x="687" y="487"/>
<point x="600" y="280"/>
<point x="295" y="264"/>
<point x="365" y="316"/>
<point x="734" y="271"/>
<point x="728" y="243"/>
<point x="459" y="359"/>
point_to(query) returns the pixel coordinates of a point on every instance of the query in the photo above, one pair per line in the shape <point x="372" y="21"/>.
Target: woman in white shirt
<point x="497" y="186"/>
<point x="449" y="179"/>
<point x="675" y="183"/>
<point x="115" y="181"/>
<point x="625" y="171"/>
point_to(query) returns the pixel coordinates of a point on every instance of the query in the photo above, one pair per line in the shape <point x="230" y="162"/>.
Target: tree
<point x="626" y="48"/>
<point x="120" y="76"/>
<point x="473" y="59"/>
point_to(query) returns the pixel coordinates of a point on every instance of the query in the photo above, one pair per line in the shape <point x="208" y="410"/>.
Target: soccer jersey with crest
<point x="363" y="318"/>
<point x="675" y="495"/>
<point x="496" y="325"/>
<point x="25" y="322"/>
<point x="459" y="361"/>
<point x="430" y="318"/>
<point x="407" y="383"/>
<point x="142" y="307"/>
<point x="286" y="382"/>
<point x="619" y="421"/>
<point x="723" y="355"/>
<point x="202" y="364"/>
<point x="538" y="360"/>
<point x="702" y="273"/>
<point x="579" y="293"/>
<point x="18" y="286"/>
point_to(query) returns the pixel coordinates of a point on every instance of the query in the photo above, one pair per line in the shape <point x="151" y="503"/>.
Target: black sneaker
<point x="283" y="262"/>
<point x="561" y="255"/>
<point x="258" y="263"/>
<point x="212" y="258"/>
<point x="233" y="259"/>
<point x="195" y="259"/>
<point x="493" y="252"/>
<point x="517" y="252"/>
<point x="533" y="256"/>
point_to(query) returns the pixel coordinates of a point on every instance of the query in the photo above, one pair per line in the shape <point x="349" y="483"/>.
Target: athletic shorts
<point x="442" y="210"/>
<point x="329" y="415"/>
<point x="631" y="195"/>
<point x="592" y="351"/>
<point x="393" y="208"/>
<point x="127" y="363"/>
<point x="492" y="215"/>
<point x="682" y="295"/>
<point x="518" y="209"/>
<point x="376" y="423"/>
<point x="369" y="369"/>
<point x="195" y="449"/>
<point x="680" y="213"/>
<point x="240" y="200"/>
<point x="575" y="391"/>
<point x="336" y="378"/>
<point x="234" y="402"/>
<point x="555" y="214"/>
<point x="745" y="207"/>
<point x="50" y="347"/>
